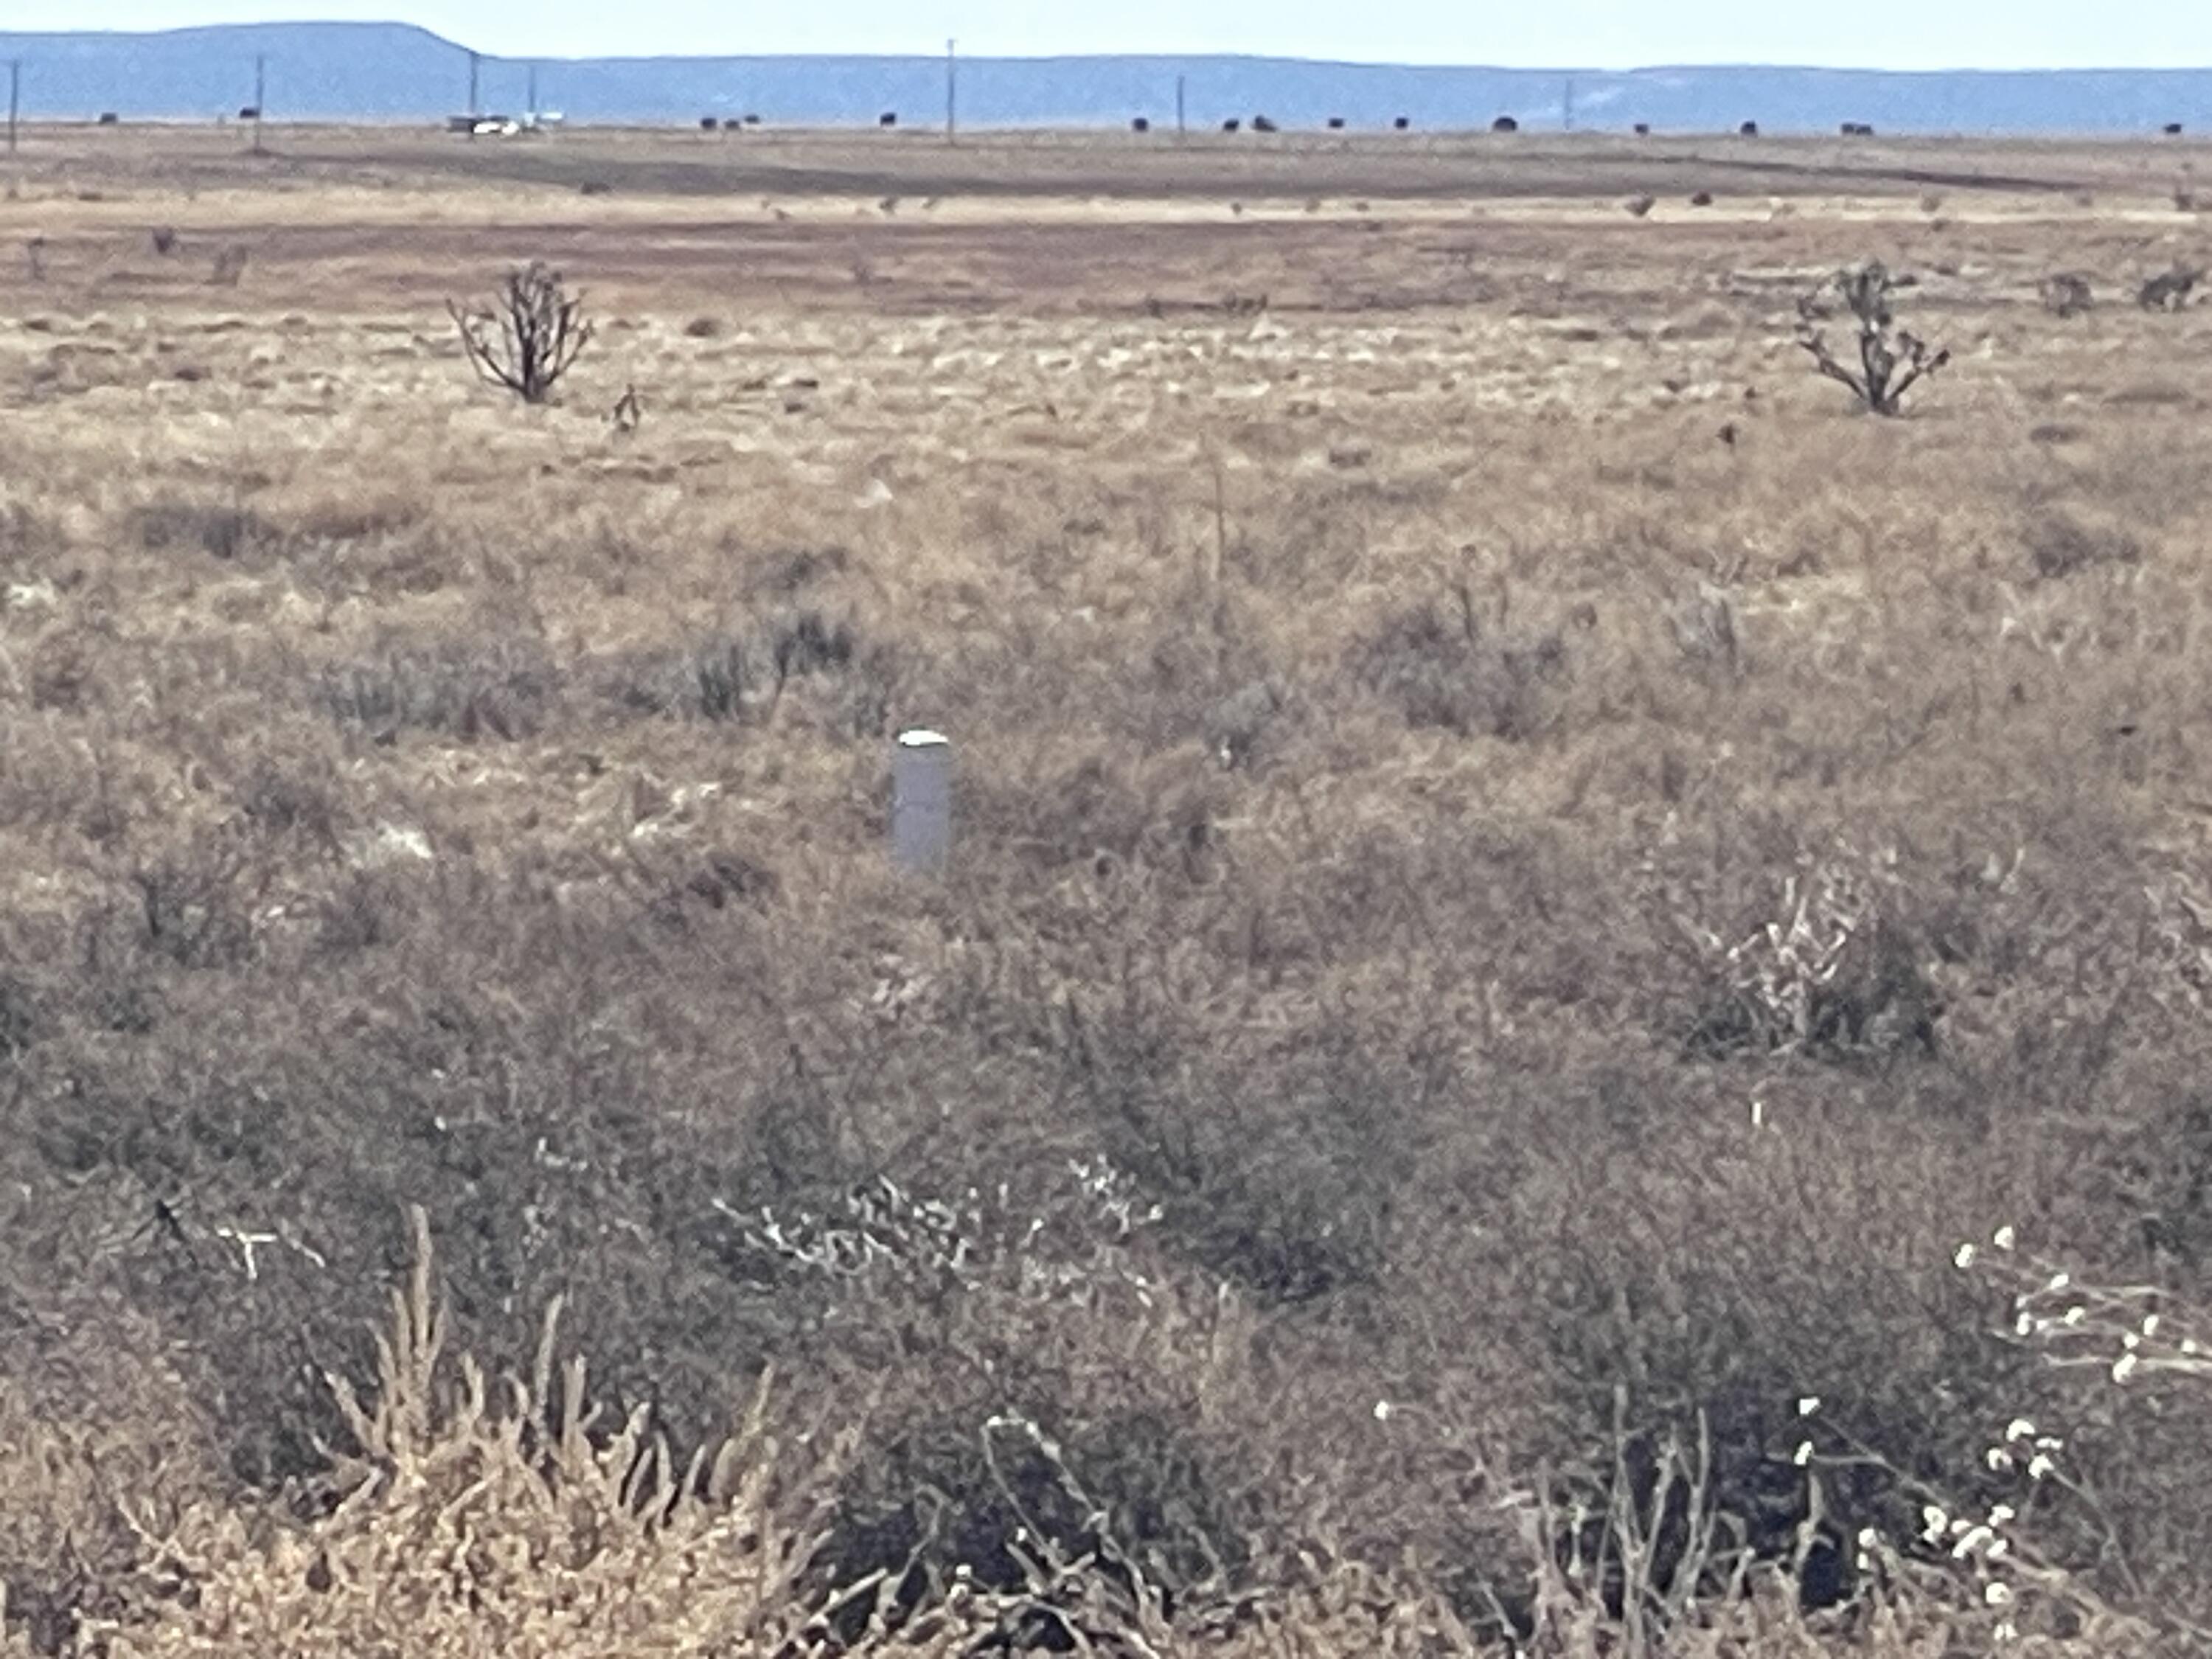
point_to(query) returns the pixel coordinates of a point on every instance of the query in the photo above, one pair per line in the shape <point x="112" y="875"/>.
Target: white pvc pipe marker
<point x="922" y="800"/>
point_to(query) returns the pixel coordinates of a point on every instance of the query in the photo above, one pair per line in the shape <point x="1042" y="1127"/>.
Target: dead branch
<point x="1891" y="359"/>
<point x="529" y="338"/>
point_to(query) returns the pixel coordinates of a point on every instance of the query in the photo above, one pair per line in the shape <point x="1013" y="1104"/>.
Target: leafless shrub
<point x="164" y="238"/>
<point x="196" y="907"/>
<point x="1453" y="672"/>
<point x="221" y="531"/>
<point x="807" y="644"/>
<point x="2170" y="290"/>
<point x="2060" y="546"/>
<point x="468" y="689"/>
<point x="1638" y="206"/>
<point x="529" y="338"/>
<point x="1891" y="359"/>
<point x="1702" y="199"/>
<point x="744" y="675"/>
<point x="34" y="257"/>
<point x="229" y="266"/>
<point x="720" y="673"/>
<point x="2066" y="294"/>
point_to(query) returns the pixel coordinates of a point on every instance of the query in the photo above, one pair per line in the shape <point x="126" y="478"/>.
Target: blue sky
<point x="1581" y="34"/>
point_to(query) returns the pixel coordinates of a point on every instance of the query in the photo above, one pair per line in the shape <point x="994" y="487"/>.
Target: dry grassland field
<point x="1569" y="1014"/>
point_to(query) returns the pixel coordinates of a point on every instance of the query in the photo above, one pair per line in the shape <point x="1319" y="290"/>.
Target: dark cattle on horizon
<point x="1505" y="124"/>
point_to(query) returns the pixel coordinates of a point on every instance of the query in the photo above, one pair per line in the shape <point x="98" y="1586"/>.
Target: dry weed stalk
<point x="1635" y="1569"/>
<point x="629" y="413"/>
<point x="529" y="338"/>
<point x="462" y="1523"/>
<point x="1892" y="361"/>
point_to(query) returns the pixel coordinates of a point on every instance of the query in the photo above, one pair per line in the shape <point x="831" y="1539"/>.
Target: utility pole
<point x="532" y="111"/>
<point x="1567" y="105"/>
<point x="260" y="91"/>
<point x="15" y="98"/>
<point x="475" y="58"/>
<point x="1181" y="126"/>
<point x="951" y="94"/>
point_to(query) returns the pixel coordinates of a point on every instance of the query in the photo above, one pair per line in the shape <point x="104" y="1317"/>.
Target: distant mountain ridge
<point x="397" y="72"/>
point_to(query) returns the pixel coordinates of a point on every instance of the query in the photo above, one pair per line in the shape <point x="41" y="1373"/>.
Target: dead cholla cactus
<point x="2171" y="291"/>
<point x="2065" y="293"/>
<point x="1892" y="361"/>
<point x="529" y="338"/>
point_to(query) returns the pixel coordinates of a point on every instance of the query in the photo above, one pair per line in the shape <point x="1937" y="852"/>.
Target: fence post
<point x="921" y="801"/>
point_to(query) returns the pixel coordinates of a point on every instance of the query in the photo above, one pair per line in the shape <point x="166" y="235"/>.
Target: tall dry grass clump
<point x="469" y="1516"/>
